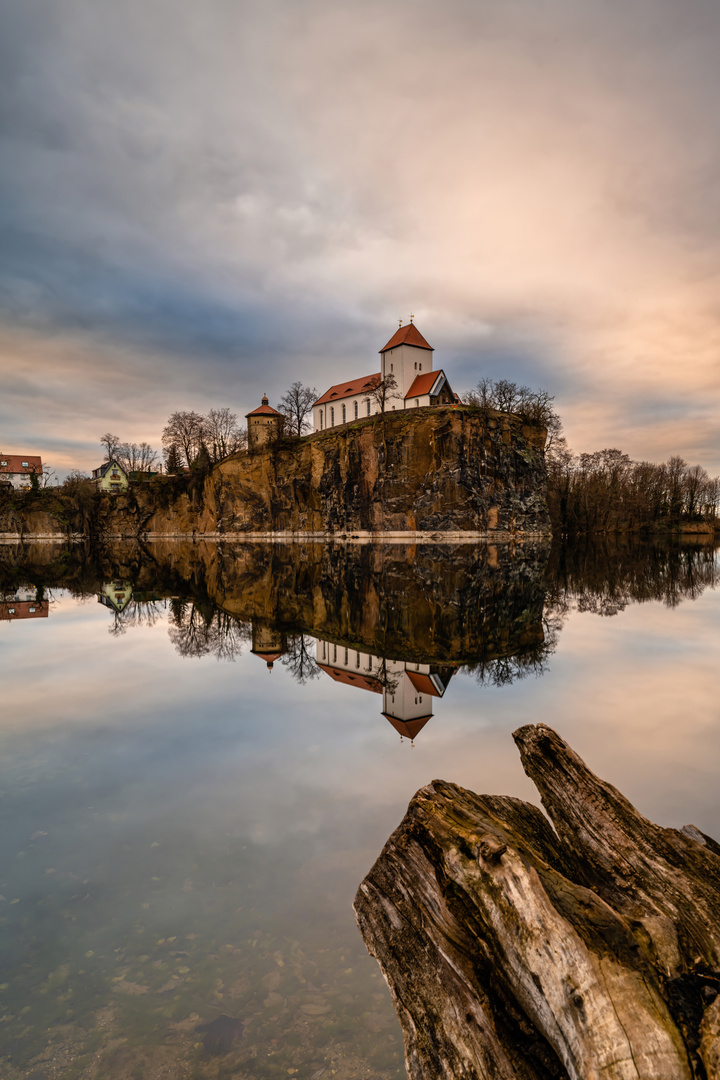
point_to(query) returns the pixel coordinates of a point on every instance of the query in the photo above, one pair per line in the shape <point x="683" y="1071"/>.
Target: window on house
<point x="391" y="367"/>
<point x="334" y="653"/>
<point x="368" y="406"/>
<point x="356" y="410"/>
<point x="332" y="417"/>
<point x="25" y="465"/>
<point x="11" y="611"/>
<point x="324" y="652"/>
<point x="321" y="419"/>
<point x="421" y="367"/>
<point x="346" y="657"/>
<point x="417" y="401"/>
<point x="31" y="610"/>
<point x="3" y="462"/>
<point x="344" y="414"/>
<point x="357" y="660"/>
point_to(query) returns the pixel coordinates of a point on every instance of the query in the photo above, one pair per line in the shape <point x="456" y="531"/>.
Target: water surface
<point x="205" y="747"/>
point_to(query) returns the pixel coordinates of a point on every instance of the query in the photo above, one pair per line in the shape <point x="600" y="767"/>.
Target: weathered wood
<point x="516" y="951"/>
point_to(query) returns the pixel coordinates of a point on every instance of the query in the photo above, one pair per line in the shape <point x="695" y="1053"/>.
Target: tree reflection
<point x="137" y="613"/>
<point x="206" y="630"/>
<point x="298" y="659"/>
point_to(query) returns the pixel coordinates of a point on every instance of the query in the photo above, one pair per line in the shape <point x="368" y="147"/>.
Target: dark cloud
<point x="212" y="198"/>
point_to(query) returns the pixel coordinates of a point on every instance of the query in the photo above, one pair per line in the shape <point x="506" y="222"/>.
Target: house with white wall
<point x="408" y="358"/>
<point x="17" y="469"/>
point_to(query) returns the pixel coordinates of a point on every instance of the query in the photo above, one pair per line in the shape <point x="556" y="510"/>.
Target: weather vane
<point x="411" y="318"/>
<point x="400" y="322"/>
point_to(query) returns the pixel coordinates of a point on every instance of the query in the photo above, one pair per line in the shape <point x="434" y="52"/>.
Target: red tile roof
<point x="348" y="389"/>
<point x="424" y="383"/>
<point x="351" y="678"/>
<point x="407" y="335"/>
<point x="408" y="728"/>
<point x="23" y="609"/>
<point x="15" y="463"/>
<point x="423" y="683"/>
<point x="264" y="410"/>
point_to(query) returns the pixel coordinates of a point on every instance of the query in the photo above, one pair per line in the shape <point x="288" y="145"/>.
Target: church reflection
<point x="407" y="689"/>
<point x="395" y="622"/>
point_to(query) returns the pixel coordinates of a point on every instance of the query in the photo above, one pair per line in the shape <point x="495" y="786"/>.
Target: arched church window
<point x="368" y="406"/>
<point x="321" y="419"/>
<point x="344" y="416"/>
<point x="332" y="416"/>
<point x="356" y="410"/>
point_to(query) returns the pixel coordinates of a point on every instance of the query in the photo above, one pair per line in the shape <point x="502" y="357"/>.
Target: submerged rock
<point x="218" y="1034"/>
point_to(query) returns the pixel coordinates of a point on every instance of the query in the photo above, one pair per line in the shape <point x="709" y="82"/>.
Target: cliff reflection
<point x="395" y="621"/>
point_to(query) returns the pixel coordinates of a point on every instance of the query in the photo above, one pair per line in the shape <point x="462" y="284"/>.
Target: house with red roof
<point x="17" y="469"/>
<point x="408" y="358"/>
<point x="23" y="604"/>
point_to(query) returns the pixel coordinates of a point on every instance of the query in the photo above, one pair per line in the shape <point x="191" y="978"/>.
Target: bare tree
<point x="533" y="406"/>
<point x="136" y="457"/>
<point x="296" y="405"/>
<point x="383" y="390"/>
<point x="223" y="436"/>
<point x="110" y="443"/>
<point x="185" y="431"/>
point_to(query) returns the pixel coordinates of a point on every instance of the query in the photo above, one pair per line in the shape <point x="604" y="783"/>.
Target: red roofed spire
<point x="407" y="335"/>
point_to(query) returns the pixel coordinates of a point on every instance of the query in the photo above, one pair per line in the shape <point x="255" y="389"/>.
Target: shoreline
<point x="285" y="537"/>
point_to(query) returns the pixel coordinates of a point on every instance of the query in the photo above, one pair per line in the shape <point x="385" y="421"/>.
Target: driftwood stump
<point x="512" y="950"/>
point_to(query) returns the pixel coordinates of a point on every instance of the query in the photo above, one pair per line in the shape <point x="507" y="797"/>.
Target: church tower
<point x="406" y="355"/>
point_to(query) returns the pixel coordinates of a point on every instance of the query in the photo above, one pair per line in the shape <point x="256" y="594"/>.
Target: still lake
<point x="205" y="748"/>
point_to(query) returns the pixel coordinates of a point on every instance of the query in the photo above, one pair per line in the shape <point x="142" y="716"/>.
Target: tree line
<point x="608" y="492"/>
<point x="604" y="491"/>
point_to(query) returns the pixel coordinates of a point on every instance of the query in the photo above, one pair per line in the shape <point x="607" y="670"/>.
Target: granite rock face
<point x="440" y="470"/>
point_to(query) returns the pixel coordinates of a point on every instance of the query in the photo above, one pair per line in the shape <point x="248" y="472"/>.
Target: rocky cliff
<point x="441" y="470"/>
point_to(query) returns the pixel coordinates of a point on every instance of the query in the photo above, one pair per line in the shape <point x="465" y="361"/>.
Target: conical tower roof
<point x="407" y="335"/>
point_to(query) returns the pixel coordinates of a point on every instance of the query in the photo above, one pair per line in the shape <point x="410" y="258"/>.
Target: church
<point x="406" y="380"/>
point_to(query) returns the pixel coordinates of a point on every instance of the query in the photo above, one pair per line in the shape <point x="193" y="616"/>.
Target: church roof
<point x="354" y="386"/>
<point x="407" y="335"/>
<point x="264" y="410"/>
<point x="409" y="728"/>
<point x="424" y="684"/>
<point x="424" y="384"/>
<point x="349" y="678"/>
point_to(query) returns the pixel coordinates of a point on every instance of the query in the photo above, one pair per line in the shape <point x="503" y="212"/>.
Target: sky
<point x="202" y="203"/>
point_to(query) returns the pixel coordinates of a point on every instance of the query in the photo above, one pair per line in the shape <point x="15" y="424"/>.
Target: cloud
<point x="207" y="196"/>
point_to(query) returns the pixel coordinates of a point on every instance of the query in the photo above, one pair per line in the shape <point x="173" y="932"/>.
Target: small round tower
<point x="264" y="424"/>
